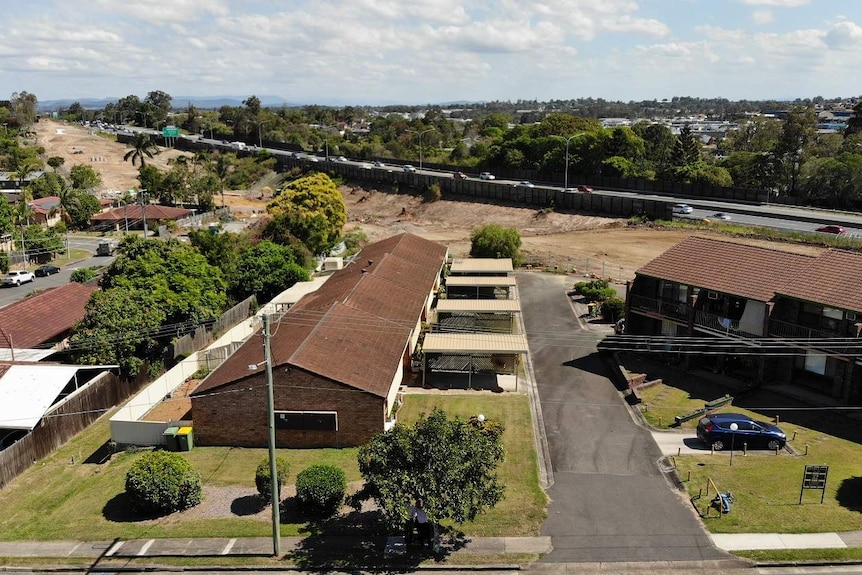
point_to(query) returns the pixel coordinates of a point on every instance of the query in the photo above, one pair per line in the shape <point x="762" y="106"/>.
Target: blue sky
<point x="432" y="51"/>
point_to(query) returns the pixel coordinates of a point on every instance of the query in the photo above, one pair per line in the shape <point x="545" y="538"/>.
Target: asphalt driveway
<point x="610" y="500"/>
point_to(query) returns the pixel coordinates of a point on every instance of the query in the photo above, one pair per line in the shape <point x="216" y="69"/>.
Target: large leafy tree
<point x="7" y="215"/>
<point x="266" y="269"/>
<point x="154" y="291"/>
<point x="310" y="209"/>
<point x="854" y="124"/>
<point x="450" y="463"/>
<point x="495" y="241"/>
<point x="84" y="177"/>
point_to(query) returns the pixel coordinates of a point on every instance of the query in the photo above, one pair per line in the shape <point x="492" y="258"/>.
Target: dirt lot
<point x="585" y="243"/>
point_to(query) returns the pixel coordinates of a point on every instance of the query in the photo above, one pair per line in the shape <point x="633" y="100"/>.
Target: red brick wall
<point x="236" y="414"/>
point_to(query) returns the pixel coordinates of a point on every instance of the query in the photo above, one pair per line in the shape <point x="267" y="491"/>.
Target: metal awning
<point x="474" y="343"/>
<point x="480" y="281"/>
<point x="481" y="266"/>
<point x="28" y="391"/>
<point x="478" y="305"/>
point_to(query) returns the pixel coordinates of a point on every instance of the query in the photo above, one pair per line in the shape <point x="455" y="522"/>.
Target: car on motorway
<point x="314" y="159"/>
<point x="838" y="230"/>
<point x="524" y="184"/>
<point x="408" y="168"/>
<point x="487" y="176"/>
<point x="721" y="430"/>
<point x="584" y="189"/>
<point x="379" y="164"/>
<point x="46" y="270"/>
<point x="720" y="216"/>
<point x="459" y="176"/>
<point x="682" y="209"/>
<point x="340" y="159"/>
<point x="18" y="277"/>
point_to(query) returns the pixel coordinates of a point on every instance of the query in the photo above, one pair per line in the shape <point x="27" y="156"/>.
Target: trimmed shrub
<point x="613" y="308"/>
<point x="82" y="275"/>
<point x="161" y="482"/>
<point x="262" y="478"/>
<point x="321" y="488"/>
<point x="595" y="290"/>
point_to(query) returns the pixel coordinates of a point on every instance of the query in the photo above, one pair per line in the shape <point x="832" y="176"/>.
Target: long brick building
<point x="339" y="355"/>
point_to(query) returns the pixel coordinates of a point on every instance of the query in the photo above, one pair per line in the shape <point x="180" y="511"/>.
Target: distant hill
<point x="179" y="102"/>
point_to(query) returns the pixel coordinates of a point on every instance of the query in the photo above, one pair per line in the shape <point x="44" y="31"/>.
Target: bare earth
<point x="583" y="244"/>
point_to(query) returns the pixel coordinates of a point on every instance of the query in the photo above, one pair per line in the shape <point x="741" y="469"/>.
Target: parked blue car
<point x="719" y="431"/>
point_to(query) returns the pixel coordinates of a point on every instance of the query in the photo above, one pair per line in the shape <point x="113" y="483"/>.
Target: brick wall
<point x="236" y="414"/>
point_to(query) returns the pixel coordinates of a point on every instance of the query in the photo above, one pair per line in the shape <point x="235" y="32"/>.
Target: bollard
<point x="794" y="436"/>
<point x="712" y="450"/>
<point x="659" y="422"/>
<point x="689" y="476"/>
<point x="745" y="449"/>
<point x="679" y="451"/>
<point x="806" y="449"/>
<point x="777" y="419"/>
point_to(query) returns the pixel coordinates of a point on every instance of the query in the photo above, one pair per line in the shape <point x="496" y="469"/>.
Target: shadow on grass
<point x="102" y="454"/>
<point x="247" y="505"/>
<point x="849" y="494"/>
<point x="119" y="509"/>
<point x="358" y="540"/>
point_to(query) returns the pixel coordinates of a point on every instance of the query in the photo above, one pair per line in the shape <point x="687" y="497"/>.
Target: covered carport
<point x="470" y="353"/>
<point x="477" y="315"/>
<point x="481" y="267"/>
<point x="480" y="287"/>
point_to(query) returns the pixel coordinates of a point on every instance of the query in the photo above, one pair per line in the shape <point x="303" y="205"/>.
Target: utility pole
<point x="273" y="470"/>
<point x="143" y="194"/>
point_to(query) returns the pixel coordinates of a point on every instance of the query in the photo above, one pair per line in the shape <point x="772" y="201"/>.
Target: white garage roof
<point x="481" y="265"/>
<point x="478" y="305"/>
<point x="480" y="281"/>
<point x="28" y="391"/>
<point x="474" y="343"/>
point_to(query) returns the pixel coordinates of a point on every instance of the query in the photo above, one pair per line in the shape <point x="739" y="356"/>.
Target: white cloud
<point x="844" y="36"/>
<point x="761" y="17"/>
<point x="780" y="3"/>
<point x="164" y="11"/>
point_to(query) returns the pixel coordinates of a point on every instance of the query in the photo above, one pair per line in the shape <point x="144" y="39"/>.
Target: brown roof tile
<point x="133" y="211"/>
<point x="354" y="329"/>
<point x="42" y="317"/>
<point x="746" y="271"/>
<point x="831" y="279"/>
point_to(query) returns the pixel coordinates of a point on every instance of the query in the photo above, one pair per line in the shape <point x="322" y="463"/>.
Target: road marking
<point x="146" y="547"/>
<point x="228" y="547"/>
<point x="114" y="548"/>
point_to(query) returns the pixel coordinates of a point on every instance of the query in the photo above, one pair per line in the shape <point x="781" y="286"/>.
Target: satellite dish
<point x="734" y="426"/>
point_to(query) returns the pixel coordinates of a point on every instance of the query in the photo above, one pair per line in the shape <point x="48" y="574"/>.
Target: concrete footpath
<point x="382" y="546"/>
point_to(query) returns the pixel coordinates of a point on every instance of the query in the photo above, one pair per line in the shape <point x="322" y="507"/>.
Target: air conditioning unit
<point x="712" y="294"/>
<point x="851" y="316"/>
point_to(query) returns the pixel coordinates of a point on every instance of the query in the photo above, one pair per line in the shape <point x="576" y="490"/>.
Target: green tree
<point x="143" y="148"/>
<point x="686" y="149"/>
<point x="450" y="463"/>
<point x="263" y="477"/>
<point x="265" y="270"/>
<point x="834" y="183"/>
<point x="24" y="106"/>
<point x="310" y="209"/>
<point x="84" y="177"/>
<point x="56" y="161"/>
<point x="854" y="124"/>
<point x="495" y="241"/>
<point x="7" y="215"/>
<point x="162" y="482"/>
<point x="79" y="207"/>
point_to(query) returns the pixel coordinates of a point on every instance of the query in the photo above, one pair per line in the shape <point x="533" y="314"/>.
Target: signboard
<point x="170" y="132"/>
<point x="814" y="478"/>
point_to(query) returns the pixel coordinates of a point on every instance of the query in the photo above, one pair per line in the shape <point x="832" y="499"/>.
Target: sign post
<point x="814" y="478"/>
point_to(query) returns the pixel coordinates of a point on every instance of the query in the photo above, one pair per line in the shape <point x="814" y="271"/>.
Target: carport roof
<point x="481" y="265"/>
<point x="480" y="281"/>
<point x="479" y="305"/>
<point x="474" y="343"/>
<point x="28" y="391"/>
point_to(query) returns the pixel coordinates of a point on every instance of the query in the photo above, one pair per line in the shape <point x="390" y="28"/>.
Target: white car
<point x="487" y="176"/>
<point x="524" y="184"/>
<point x="18" y="277"/>
<point x="408" y="168"/>
<point x="682" y="209"/>
<point x="721" y="216"/>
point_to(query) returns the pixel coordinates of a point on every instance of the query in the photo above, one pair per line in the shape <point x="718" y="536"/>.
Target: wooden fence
<point x="73" y="415"/>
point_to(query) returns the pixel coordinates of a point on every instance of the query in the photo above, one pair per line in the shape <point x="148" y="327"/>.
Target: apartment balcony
<point x="659" y="308"/>
<point x="815" y="338"/>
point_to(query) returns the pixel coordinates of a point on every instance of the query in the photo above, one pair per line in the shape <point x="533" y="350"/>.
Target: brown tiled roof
<point x="133" y="211"/>
<point x="746" y="271"/>
<point x="354" y="329"/>
<point x="831" y="279"/>
<point x="42" y="317"/>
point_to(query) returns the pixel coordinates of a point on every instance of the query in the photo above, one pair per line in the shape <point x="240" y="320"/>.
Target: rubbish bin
<point x="185" y="439"/>
<point x="170" y="435"/>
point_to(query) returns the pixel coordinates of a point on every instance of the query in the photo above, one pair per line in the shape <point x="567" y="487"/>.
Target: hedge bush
<point x="262" y="478"/>
<point x="321" y="488"/>
<point x="595" y="290"/>
<point x="163" y="482"/>
<point x="613" y="308"/>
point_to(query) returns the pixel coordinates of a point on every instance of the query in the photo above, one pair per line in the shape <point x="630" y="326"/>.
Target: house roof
<point x="751" y="272"/>
<point x="831" y="279"/>
<point x="42" y="317"/>
<point x="355" y="327"/>
<point x="467" y="266"/>
<point x="45" y="205"/>
<point x="475" y="343"/>
<point x="27" y="391"/>
<point x="133" y="211"/>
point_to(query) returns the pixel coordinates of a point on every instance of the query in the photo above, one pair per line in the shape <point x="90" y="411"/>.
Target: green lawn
<point x="62" y="497"/>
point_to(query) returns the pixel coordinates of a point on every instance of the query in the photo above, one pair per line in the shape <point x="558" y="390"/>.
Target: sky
<point x="376" y="52"/>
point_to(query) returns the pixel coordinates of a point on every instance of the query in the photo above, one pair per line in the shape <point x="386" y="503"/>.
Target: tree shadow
<point x="247" y="505"/>
<point x="102" y="454"/>
<point x="849" y="494"/>
<point x="119" y="509"/>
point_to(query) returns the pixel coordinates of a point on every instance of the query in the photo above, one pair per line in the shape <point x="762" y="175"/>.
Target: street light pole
<point x="273" y="468"/>
<point x="420" y="142"/>
<point x="143" y="194"/>
<point x="566" y="177"/>
<point x="259" y="136"/>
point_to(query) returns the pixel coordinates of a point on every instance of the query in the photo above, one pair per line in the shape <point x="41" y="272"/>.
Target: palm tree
<point x="142" y="147"/>
<point x="222" y="168"/>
